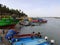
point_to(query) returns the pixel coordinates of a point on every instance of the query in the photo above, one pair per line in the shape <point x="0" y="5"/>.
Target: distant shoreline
<point x="57" y="17"/>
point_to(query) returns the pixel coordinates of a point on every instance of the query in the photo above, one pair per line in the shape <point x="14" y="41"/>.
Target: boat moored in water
<point x="42" y="20"/>
<point x="8" y="22"/>
<point x="25" y="39"/>
<point x="39" y="20"/>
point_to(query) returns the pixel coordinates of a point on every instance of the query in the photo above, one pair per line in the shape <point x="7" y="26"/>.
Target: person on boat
<point x="33" y="35"/>
<point x="39" y="35"/>
<point x="36" y="35"/>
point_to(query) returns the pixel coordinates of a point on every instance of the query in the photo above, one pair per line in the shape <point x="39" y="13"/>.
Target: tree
<point x="0" y="5"/>
<point x="5" y="11"/>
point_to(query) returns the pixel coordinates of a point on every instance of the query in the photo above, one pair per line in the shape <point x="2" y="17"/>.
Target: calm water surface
<point x="50" y="29"/>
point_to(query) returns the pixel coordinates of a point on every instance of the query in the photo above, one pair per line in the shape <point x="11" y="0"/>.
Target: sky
<point x="35" y="8"/>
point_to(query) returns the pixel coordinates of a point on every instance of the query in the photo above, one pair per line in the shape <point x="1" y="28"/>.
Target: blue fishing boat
<point x="26" y="39"/>
<point x="42" y="20"/>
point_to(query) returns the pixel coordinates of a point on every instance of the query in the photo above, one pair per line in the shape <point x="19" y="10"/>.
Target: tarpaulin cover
<point x="10" y="34"/>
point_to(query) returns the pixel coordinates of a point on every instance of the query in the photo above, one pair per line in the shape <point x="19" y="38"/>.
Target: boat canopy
<point x="10" y="34"/>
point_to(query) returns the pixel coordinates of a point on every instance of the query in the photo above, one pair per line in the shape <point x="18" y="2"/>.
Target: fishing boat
<point x="42" y="20"/>
<point x="36" y="20"/>
<point x="8" y="22"/>
<point x="25" y="39"/>
<point x="25" y="22"/>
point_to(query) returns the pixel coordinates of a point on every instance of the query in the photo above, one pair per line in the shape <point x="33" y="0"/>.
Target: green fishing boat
<point x="8" y="22"/>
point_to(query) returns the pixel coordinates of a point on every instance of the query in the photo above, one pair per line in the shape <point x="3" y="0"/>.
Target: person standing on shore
<point x="3" y="31"/>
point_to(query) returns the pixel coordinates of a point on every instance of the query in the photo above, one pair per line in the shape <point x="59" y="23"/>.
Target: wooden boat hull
<point x="25" y="39"/>
<point x="7" y="26"/>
